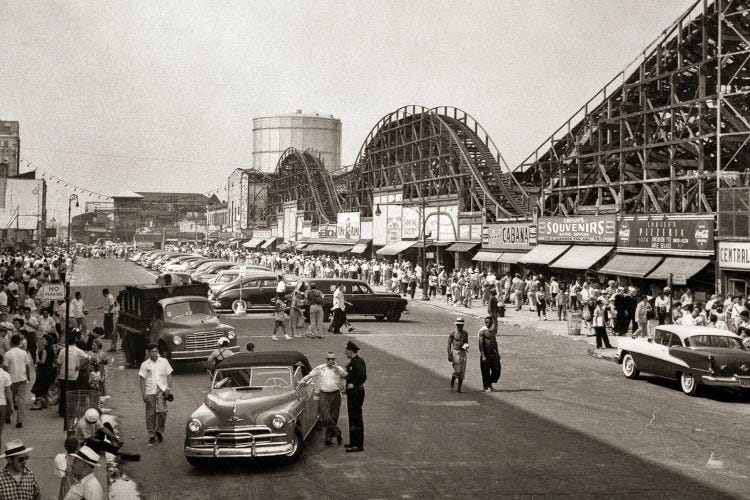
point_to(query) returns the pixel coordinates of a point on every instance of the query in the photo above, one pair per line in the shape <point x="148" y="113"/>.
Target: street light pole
<point x="425" y="294"/>
<point x="63" y="392"/>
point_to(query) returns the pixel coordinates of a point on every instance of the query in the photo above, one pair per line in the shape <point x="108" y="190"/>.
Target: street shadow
<point x="519" y="390"/>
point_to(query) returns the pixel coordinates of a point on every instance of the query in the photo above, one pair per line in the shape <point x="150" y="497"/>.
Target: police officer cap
<point x="351" y="346"/>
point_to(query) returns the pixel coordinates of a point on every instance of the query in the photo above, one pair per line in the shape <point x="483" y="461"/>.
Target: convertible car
<point x="253" y="409"/>
<point x="695" y="355"/>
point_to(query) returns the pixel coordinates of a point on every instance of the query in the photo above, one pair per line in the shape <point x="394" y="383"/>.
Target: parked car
<point x="255" y="290"/>
<point x="253" y="409"/>
<point x="364" y="302"/>
<point x="180" y="264"/>
<point x="228" y="275"/>
<point x="211" y="269"/>
<point x="697" y="356"/>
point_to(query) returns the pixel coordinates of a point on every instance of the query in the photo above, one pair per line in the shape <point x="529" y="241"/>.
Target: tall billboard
<point x="290" y="221"/>
<point x="347" y="226"/>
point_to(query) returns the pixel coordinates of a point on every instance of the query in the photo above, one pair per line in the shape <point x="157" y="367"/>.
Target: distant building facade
<point x="160" y="212"/>
<point x="10" y="148"/>
<point x="246" y="199"/>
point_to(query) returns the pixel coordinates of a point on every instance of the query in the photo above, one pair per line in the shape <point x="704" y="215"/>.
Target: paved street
<point x="563" y="424"/>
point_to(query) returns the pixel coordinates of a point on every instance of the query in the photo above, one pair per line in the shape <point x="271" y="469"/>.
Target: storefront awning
<point x="483" y="256"/>
<point x="581" y="257"/>
<point x="396" y="248"/>
<point x="330" y="247"/>
<point x="283" y="246"/>
<point x="461" y="246"/>
<point x="253" y="243"/>
<point x="300" y="246"/>
<point x="511" y="257"/>
<point x="633" y="265"/>
<point x="359" y="248"/>
<point x="268" y="242"/>
<point x="543" y="254"/>
<point x="685" y="266"/>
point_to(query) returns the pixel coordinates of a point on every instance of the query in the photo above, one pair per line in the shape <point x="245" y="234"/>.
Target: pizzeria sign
<point x="666" y="235"/>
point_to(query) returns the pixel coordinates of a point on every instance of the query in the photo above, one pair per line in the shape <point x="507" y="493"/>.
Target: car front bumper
<point x="726" y="381"/>
<point x="246" y="451"/>
<point x="201" y="354"/>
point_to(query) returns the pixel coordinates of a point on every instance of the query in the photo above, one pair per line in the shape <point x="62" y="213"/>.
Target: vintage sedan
<point x="253" y="409"/>
<point x="695" y="355"/>
<point x="364" y="301"/>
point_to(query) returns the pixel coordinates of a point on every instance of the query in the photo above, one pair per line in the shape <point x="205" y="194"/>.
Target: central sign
<point x="578" y="229"/>
<point x="52" y="291"/>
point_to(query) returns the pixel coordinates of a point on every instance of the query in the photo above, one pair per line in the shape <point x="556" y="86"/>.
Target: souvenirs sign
<point x="577" y="229"/>
<point x="670" y="235"/>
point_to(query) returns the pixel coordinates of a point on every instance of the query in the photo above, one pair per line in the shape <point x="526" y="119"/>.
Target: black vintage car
<point x="256" y="290"/>
<point x="364" y="302"/>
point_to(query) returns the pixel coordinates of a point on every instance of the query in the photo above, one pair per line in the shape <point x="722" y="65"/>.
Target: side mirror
<point x="650" y="340"/>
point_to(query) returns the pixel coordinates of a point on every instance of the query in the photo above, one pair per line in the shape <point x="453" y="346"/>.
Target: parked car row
<point x="233" y="286"/>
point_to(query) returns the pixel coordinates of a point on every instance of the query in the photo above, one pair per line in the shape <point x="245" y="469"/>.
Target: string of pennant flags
<point x="54" y="180"/>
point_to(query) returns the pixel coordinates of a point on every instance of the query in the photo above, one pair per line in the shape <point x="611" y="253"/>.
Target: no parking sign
<point x="52" y="291"/>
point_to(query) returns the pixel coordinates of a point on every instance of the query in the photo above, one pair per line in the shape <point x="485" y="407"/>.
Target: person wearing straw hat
<point x="88" y="486"/>
<point x="16" y="480"/>
<point x="458" y="346"/>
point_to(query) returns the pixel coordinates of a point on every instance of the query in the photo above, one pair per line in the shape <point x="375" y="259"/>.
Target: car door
<point x="357" y="296"/>
<point x="306" y="395"/>
<point x="645" y="352"/>
<point x="251" y="292"/>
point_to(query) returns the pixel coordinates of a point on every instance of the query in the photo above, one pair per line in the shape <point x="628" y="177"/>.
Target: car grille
<point x="238" y="436"/>
<point x="202" y="340"/>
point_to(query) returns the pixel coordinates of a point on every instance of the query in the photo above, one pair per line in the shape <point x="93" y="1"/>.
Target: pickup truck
<point x="364" y="302"/>
<point x="179" y="319"/>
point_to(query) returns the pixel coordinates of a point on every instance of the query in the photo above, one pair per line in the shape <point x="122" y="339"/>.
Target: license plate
<point x="745" y="382"/>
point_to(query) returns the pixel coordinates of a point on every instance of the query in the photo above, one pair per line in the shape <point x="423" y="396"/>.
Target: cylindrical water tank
<point x="274" y="134"/>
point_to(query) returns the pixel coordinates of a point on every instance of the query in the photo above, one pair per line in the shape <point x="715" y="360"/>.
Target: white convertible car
<point x="694" y="355"/>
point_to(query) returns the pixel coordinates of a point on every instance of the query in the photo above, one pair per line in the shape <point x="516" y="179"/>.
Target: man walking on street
<point x="458" y="344"/>
<point x="489" y="356"/>
<point x="156" y="380"/>
<point x="330" y="380"/>
<point x="355" y="397"/>
<point x="339" y="306"/>
<point x="315" y="300"/>
<point x="18" y="362"/>
<point x="109" y="318"/>
<point x="16" y="480"/>
<point x="78" y="312"/>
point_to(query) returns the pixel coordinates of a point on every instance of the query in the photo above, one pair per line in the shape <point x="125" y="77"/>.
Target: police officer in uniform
<point x="356" y="374"/>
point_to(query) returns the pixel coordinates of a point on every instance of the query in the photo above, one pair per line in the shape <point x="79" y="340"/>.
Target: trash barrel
<point x="574" y="322"/>
<point x="77" y="402"/>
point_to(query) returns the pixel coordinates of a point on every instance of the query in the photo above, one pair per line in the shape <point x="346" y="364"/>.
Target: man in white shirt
<point x="18" y="362"/>
<point x="76" y="359"/>
<point x="338" y="308"/>
<point x="330" y="381"/>
<point x="156" y="380"/>
<point x="281" y="286"/>
<point x="78" y="312"/>
<point x="87" y="486"/>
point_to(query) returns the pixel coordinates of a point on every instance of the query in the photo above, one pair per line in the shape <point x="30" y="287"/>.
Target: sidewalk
<point x="523" y="319"/>
<point x="43" y="431"/>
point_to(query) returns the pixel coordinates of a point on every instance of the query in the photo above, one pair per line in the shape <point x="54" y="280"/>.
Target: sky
<point x="160" y="96"/>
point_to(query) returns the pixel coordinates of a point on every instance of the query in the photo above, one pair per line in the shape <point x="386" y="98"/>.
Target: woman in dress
<point x="45" y="372"/>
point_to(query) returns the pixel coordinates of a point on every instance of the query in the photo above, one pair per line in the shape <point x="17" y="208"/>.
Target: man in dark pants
<point x="330" y="380"/>
<point x="355" y="397"/>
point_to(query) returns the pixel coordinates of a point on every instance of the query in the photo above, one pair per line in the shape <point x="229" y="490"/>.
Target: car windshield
<point x="187" y="308"/>
<point x="724" y="341"/>
<point x="257" y="377"/>
<point x="226" y="278"/>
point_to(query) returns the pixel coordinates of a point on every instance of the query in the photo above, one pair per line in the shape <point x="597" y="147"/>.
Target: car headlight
<point x="231" y="334"/>
<point x="177" y="340"/>
<point x="278" y="422"/>
<point x="194" y="425"/>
